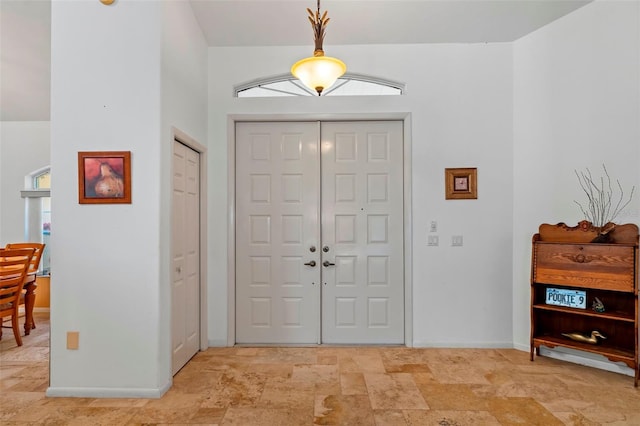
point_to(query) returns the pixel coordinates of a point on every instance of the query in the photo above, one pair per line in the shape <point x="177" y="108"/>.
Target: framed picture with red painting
<point x="104" y="177"/>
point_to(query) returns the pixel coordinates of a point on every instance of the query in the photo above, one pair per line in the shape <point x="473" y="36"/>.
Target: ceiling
<point x="25" y="28"/>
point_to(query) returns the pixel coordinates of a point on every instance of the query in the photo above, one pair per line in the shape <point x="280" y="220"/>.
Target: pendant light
<point x="318" y="72"/>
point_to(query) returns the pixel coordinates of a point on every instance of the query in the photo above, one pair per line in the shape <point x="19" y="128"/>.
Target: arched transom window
<point x="347" y="85"/>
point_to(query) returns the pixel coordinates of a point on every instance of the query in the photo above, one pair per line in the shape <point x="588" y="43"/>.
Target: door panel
<point x="277" y="195"/>
<point x="285" y="191"/>
<point x="362" y="226"/>
<point x="185" y="288"/>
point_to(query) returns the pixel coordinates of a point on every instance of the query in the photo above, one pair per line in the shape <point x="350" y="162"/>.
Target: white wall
<point x="459" y="98"/>
<point x="24" y="148"/>
<point x="576" y="105"/>
<point x="117" y="85"/>
<point x="184" y="107"/>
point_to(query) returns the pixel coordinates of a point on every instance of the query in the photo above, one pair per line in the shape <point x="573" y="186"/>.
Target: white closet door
<point x="185" y="278"/>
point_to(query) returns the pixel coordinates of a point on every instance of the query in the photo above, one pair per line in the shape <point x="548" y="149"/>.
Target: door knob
<point x="326" y="264"/>
<point x="325" y="249"/>
<point x="312" y="263"/>
<point x="312" y="249"/>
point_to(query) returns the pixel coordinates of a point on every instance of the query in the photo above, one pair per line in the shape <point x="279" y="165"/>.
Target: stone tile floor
<point x="332" y="386"/>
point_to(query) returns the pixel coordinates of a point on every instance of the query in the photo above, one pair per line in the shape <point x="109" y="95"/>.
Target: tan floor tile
<point x="452" y="397"/>
<point x="541" y="387"/>
<point x="119" y="402"/>
<point x="157" y="415"/>
<point x="369" y="363"/>
<point x="466" y="372"/>
<point x="272" y="370"/>
<point x="424" y="377"/>
<point x="327" y="359"/>
<point x="343" y="410"/>
<point x="30" y="385"/>
<point x="348" y="365"/>
<point x="34" y="354"/>
<point x="14" y="403"/>
<point x="575" y="419"/>
<point x="389" y="418"/>
<point x="287" y="395"/>
<point x="192" y="381"/>
<point x="243" y="416"/>
<point x="450" y="418"/>
<point x="353" y="384"/>
<point x="68" y="402"/>
<point x="395" y="391"/>
<point x="235" y="389"/>
<point x="286" y="356"/>
<point x="519" y="411"/>
<point x="210" y="416"/>
<point x="81" y="416"/>
<point x="174" y="399"/>
<point x="314" y="373"/>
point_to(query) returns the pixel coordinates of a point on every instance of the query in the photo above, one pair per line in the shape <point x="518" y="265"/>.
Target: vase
<point x="604" y="234"/>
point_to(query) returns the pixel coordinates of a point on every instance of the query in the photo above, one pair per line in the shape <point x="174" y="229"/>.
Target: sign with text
<point x="565" y="297"/>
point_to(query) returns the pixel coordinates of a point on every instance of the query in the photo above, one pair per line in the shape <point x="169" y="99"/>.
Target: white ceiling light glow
<point x="318" y="72"/>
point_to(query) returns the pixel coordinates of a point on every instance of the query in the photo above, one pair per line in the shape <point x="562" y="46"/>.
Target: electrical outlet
<point x="73" y="339"/>
<point x="434" y="226"/>
<point x="456" y="241"/>
<point x="432" y="240"/>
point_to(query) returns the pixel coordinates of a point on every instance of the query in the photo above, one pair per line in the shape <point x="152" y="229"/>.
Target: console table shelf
<point x="614" y="316"/>
<point x="569" y="274"/>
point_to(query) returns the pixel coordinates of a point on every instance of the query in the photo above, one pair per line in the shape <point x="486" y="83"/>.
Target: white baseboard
<point x="463" y="345"/>
<point x="81" y="392"/>
<point x="217" y="343"/>
<point x="586" y="359"/>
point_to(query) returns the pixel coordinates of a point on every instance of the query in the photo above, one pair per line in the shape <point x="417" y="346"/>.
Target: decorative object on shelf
<point x="461" y="184"/>
<point x="604" y="234"/>
<point x="597" y="305"/>
<point x="603" y="205"/>
<point x="104" y="177"/>
<point x="565" y="297"/>
<point x="318" y="72"/>
<point x="107" y="2"/>
<point x="592" y="339"/>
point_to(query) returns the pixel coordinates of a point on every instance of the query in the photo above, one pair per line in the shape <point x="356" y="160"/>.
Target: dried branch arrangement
<point x="603" y="205"/>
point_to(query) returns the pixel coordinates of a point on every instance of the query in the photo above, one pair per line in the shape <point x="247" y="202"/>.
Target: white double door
<point x="319" y="233"/>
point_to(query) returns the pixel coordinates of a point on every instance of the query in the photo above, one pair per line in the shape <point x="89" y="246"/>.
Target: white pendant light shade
<point x="318" y="72"/>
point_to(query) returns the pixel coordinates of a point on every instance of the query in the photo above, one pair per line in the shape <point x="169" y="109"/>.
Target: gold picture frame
<point x="461" y="183"/>
<point x="104" y="177"/>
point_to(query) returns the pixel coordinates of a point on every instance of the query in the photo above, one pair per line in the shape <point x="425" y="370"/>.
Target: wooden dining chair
<point x="34" y="263"/>
<point x="14" y="264"/>
<point x="34" y="267"/>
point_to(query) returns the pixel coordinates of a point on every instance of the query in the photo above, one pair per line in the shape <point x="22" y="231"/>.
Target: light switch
<point x="434" y="226"/>
<point x="456" y="240"/>
<point x="432" y="240"/>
